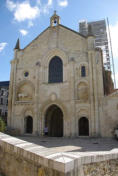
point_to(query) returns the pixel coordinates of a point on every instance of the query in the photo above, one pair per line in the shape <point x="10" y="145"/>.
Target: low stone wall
<point x="104" y="168"/>
<point x="21" y="158"/>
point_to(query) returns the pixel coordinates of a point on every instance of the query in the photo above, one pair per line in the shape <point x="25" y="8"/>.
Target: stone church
<point x="57" y="82"/>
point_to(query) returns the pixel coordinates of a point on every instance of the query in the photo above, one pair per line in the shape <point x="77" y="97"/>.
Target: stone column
<point x="91" y="95"/>
<point x="72" y="111"/>
<point x="12" y="90"/>
<point x="10" y="94"/>
<point x="93" y="86"/>
<point x="36" y="104"/>
<point x="14" y="94"/>
<point x="99" y="65"/>
<point x="96" y="87"/>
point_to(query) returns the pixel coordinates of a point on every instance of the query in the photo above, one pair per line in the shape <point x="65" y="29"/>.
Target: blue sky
<point x="25" y="19"/>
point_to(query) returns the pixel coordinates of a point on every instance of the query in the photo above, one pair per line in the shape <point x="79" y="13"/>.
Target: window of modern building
<point x="83" y="71"/>
<point x="55" y="70"/>
<point x="5" y="114"/>
<point x="2" y="92"/>
<point x="1" y="102"/>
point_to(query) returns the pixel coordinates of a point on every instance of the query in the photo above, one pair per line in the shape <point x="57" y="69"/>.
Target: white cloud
<point x="23" y="11"/>
<point x="46" y="7"/>
<point x="114" y="39"/>
<point x="63" y="3"/>
<point x="38" y="2"/>
<point x="10" y="5"/>
<point x="2" y="46"/>
<point x="30" y="24"/>
<point x="50" y="2"/>
<point x="23" y="32"/>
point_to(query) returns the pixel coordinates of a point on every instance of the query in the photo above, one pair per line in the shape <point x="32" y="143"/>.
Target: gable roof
<point x="36" y="37"/>
<point x="72" y="30"/>
<point x="51" y="27"/>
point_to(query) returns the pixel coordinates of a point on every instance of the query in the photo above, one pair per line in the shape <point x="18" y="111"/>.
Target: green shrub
<point x="2" y="125"/>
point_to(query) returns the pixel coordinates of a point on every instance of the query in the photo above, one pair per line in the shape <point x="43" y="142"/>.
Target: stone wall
<point x="16" y="161"/>
<point x="104" y="168"/>
<point x="110" y="115"/>
<point x="21" y="158"/>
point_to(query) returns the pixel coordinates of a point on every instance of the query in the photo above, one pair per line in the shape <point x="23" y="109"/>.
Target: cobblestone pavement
<point x="72" y="145"/>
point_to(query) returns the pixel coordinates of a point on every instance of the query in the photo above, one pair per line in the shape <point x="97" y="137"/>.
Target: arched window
<point x="55" y="70"/>
<point x="83" y="71"/>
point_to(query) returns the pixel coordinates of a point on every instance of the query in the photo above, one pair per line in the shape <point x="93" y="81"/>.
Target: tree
<point x="2" y="125"/>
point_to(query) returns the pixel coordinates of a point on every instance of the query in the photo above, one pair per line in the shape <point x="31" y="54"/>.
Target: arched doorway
<point x="28" y="124"/>
<point x="54" y="121"/>
<point x="83" y="126"/>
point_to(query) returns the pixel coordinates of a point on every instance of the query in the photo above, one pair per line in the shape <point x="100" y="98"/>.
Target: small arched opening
<point x="28" y="124"/>
<point x="54" y="121"/>
<point x="83" y="126"/>
<point x="83" y="71"/>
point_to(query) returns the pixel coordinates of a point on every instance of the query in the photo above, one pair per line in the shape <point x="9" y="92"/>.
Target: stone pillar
<point x="10" y="94"/>
<point x="12" y="90"/>
<point x="72" y="111"/>
<point x="14" y="94"/>
<point x="96" y="87"/>
<point x="36" y="104"/>
<point x="99" y="65"/>
<point x="93" y="86"/>
<point x="91" y="94"/>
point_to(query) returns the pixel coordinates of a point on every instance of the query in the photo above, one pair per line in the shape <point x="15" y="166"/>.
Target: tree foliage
<point x="2" y="125"/>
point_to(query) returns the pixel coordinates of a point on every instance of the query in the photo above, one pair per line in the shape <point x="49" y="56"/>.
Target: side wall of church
<point x="109" y="117"/>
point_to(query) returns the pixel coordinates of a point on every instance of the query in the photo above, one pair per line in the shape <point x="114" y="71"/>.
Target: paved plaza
<point x="58" y="156"/>
<point x="50" y="145"/>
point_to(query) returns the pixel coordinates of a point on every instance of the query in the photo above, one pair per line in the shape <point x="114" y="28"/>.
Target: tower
<point x="99" y="30"/>
<point x="54" y="20"/>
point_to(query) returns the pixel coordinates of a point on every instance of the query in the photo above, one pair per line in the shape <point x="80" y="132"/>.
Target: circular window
<point x="26" y="74"/>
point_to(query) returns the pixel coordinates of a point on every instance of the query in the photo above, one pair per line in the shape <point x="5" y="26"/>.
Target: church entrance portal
<point x="28" y="124"/>
<point x="54" y="121"/>
<point x="83" y="126"/>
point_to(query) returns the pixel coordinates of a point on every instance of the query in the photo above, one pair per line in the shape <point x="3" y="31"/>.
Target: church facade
<point x="56" y="83"/>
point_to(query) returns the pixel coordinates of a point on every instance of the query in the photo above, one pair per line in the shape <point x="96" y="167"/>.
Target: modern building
<point x="99" y="30"/>
<point x="4" y="91"/>
<point x="57" y="83"/>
